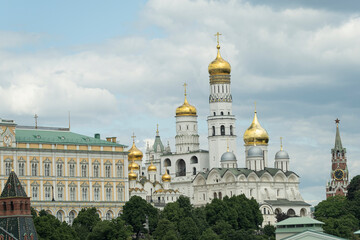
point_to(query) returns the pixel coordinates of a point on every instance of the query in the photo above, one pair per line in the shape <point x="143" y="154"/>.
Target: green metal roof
<point x="298" y="221"/>
<point x="312" y="235"/>
<point x="286" y="202"/>
<point x="58" y="137"/>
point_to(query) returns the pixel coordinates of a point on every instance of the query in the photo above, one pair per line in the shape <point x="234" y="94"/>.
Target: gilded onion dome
<point x="152" y="167"/>
<point x="255" y="134"/>
<point x="132" y="175"/>
<point x="166" y="177"/>
<point x="186" y="109"/>
<point x="134" y="166"/>
<point x="219" y="66"/>
<point x="134" y="153"/>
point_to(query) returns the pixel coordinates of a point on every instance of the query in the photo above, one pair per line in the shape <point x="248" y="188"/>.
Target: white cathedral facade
<point x="204" y="175"/>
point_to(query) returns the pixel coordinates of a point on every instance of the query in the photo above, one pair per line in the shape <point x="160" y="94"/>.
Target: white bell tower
<point x="221" y="121"/>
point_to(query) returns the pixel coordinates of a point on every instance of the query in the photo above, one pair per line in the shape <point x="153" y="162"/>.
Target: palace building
<point x="63" y="171"/>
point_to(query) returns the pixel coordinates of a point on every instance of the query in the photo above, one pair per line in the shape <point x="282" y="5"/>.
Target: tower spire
<point x="338" y="144"/>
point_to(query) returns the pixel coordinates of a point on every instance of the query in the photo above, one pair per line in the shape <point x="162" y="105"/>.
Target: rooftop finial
<point x="254" y="141"/>
<point x="255" y="106"/>
<point x="281" y="146"/>
<point x="133" y="137"/>
<point x="185" y="88"/>
<point x="217" y="39"/>
<point x="69" y="120"/>
<point x="337" y="121"/>
<point x="36" y="117"/>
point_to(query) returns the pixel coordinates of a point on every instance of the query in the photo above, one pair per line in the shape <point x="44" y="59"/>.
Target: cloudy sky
<point x="119" y="66"/>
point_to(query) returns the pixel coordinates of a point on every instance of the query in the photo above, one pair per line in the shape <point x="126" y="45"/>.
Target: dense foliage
<point x="341" y="214"/>
<point x="231" y="218"/>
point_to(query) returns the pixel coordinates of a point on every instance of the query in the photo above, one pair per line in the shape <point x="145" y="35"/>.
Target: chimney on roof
<point x="113" y="139"/>
<point x="97" y="135"/>
<point x="109" y="139"/>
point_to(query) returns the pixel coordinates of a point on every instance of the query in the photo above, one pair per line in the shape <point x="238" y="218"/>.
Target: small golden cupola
<point x="186" y="109"/>
<point x="132" y="175"/>
<point x="152" y="168"/>
<point x="219" y="66"/>
<point x="255" y="134"/>
<point x="133" y="165"/>
<point x="134" y="153"/>
<point x="166" y="177"/>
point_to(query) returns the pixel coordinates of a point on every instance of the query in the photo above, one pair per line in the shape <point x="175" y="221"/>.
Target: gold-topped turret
<point x="132" y="175"/>
<point x="152" y="168"/>
<point x="134" y="153"/>
<point x="219" y="66"/>
<point x="166" y="177"/>
<point x="186" y="109"/>
<point x="256" y="134"/>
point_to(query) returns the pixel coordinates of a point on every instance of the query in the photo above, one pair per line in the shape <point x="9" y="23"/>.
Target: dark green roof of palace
<point x="55" y="136"/>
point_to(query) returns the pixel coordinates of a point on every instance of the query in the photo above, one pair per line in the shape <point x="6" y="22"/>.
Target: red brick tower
<point x="339" y="171"/>
<point x="16" y="221"/>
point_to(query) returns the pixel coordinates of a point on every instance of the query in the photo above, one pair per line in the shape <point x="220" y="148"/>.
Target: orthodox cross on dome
<point x="157" y="129"/>
<point x="281" y="146"/>
<point x="255" y="106"/>
<point x="217" y="37"/>
<point x="185" y="88"/>
<point x="337" y="121"/>
<point x="36" y="117"/>
<point x="133" y="137"/>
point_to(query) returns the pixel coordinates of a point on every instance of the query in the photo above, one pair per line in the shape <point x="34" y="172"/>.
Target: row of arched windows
<point x="222" y="130"/>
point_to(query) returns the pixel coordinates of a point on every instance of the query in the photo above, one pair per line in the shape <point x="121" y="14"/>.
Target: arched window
<point x="221" y="113"/>
<point x="231" y="130"/>
<point x="108" y="215"/>
<point x="108" y="171"/>
<point x="180" y="168"/>
<point x="71" y="217"/>
<point x="119" y="170"/>
<point x="59" y="169"/>
<point x="47" y="193"/>
<point x="96" y="194"/>
<point x="194" y="160"/>
<point x="83" y="170"/>
<point x="72" y="170"/>
<point x="33" y="169"/>
<point x="72" y="194"/>
<point x="108" y="194"/>
<point x="220" y="195"/>
<point x="167" y="163"/>
<point x="7" y="168"/>
<point x="303" y="212"/>
<point x="214" y="113"/>
<point x="213" y="130"/>
<point x="96" y="170"/>
<point x="21" y="169"/>
<point x="291" y="212"/>
<point x="215" y="195"/>
<point x="222" y="130"/>
<point x="59" y="216"/>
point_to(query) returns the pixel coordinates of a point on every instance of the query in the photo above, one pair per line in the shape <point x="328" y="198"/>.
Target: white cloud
<point x="301" y="64"/>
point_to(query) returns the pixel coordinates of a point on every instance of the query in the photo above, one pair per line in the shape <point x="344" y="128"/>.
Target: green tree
<point x="165" y="230"/>
<point x="199" y="216"/>
<point x="209" y="234"/>
<point x="332" y="207"/>
<point x="135" y="212"/>
<point x="188" y="229"/>
<point x="353" y="187"/>
<point x="110" y="230"/>
<point x="85" y="222"/>
<point x="269" y="230"/>
<point x="49" y="227"/>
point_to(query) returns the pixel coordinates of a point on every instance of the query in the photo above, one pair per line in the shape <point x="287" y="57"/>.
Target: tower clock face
<point x="339" y="174"/>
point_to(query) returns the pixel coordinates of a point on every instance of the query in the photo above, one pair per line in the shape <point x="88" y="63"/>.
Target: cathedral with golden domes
<point x="203" y="175"/>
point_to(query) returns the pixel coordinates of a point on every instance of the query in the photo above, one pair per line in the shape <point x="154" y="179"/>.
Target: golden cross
<point x="255" y="106"/>
<point x="133" y="137"/>
<point x="185" y="87"/>
<point x="157" y="128"/>
<point x="217" y="37"/>
<point x="281" y="147"/>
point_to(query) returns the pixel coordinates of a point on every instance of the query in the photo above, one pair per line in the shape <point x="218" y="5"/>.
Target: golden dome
<point x="255" y="134"/>
<point x="132" y="175"/>
<point x="166" y="177"/>
<point x="186" y="109"/>
<point x="152" y="168"/>
<point x="134" y="153"/>
<point x="133" y="165"/>
<point x="219" y="66"/>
